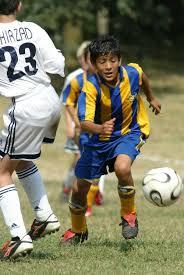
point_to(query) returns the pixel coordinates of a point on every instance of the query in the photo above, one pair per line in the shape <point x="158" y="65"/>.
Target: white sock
<point x="10" y="207"/>
<point x="68" y="181"/>
<point x="101" y="184"/>
<point x="35" y="190"/>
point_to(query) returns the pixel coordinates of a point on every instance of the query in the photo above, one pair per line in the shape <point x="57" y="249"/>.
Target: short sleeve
<point x="139" y="69"/>
<point x="87" y="102"/>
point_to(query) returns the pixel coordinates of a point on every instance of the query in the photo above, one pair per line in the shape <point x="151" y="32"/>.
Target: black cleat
<point x="16" y="248"/>
<point x="70" y="237"/>
<point x="40" y="229"/>
<point x="129" y="229"/>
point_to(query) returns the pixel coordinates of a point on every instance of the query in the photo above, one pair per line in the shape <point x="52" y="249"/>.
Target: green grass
<point x="159" y="248"/>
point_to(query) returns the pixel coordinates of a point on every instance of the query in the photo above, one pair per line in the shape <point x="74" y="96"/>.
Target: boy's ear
<point x="120" y="61"/>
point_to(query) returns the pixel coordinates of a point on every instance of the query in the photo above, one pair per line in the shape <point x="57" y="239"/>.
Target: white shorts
<point x="30" y="120"/>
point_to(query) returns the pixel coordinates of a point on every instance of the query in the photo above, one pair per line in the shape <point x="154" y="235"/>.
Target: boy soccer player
<point x="110" y="108"/>
<point x="26" y="54"/>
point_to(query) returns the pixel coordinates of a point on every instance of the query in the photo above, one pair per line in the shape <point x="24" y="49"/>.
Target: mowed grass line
<point x="159" y="248"/>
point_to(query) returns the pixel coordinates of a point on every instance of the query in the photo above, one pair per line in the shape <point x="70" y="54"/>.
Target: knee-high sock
<point x="91" y="194"/>
<point x="78" y="218"/>
<point x="35" y="190"/>
<point x="127" y="206"/>
<point x="127" y="199"/>
<point x="10" y="207"/>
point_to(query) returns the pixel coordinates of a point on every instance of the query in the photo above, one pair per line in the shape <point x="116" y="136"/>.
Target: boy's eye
<point x="101" y="61"/>
<point x="113" y="60"/>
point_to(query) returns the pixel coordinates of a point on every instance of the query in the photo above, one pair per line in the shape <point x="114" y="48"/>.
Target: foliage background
<point x="150" y="28"/>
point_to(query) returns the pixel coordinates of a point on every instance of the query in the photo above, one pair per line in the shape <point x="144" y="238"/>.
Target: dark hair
<point x="104" y="45"/>
<point x="8" y="6"/>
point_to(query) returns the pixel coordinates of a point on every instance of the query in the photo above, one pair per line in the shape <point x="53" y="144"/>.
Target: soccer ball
<point x="162" y="186"/>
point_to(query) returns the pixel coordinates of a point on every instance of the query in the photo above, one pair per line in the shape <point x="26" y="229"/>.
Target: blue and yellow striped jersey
<point x="99" y="102"/>
<point x="72" y="89"/>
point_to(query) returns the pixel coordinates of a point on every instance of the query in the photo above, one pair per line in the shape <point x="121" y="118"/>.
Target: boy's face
<point x="107" y="67"/>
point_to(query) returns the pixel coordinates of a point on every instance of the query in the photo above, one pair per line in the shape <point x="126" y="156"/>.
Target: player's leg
<point x="126" y="191"/>
<point x="45" y="221"/>
<point x="95" y="195"/>
<point x="100" y="193"/>
<point x="69" y="180"/>
<point x="77" y="205"/>
<point x="83" y="139"/>
<point x="69" y="147"/>
<point x="88" y="170"/>
<point x="20" y="243"/>
<point x="93" y="191"/>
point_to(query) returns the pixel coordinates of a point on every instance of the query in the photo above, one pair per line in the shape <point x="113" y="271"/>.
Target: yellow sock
<point x="127" y="206"/>
<point x="78" y="220"/>
<point x="127" y="199"/>
<point x="91" y="194"/>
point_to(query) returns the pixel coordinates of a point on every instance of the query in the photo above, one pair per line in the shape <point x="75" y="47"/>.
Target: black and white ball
<point x="162" y="186"/>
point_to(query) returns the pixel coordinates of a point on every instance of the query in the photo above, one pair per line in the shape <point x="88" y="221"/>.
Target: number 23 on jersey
<point x="30" y="62"/>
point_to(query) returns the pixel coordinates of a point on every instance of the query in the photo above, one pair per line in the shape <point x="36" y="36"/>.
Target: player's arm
<point x="103" y="129"/>
<point x="70" y="98"/>
<point x="154" y="103"/>
<point x="53" y="59"/>
<point x="73" y="113"/>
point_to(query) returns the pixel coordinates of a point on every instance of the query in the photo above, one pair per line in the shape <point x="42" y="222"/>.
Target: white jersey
<point x="27" y="54"/>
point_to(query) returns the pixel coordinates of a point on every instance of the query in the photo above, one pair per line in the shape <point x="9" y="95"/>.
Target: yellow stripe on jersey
<point x="126" y="103"/>
<point x="91" y="95"/>
<point x="74" y="92"/>
<point x="142" y="117"/>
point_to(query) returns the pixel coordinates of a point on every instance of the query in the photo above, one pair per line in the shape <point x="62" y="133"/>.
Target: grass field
<point x="159" y="248"/>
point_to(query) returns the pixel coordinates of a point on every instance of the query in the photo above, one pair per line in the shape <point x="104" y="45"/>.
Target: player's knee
<point x="82" y="187"/>
<point x="122" y="170"/>
<point x="126" y="191"/>
<point x="77" y="208"/>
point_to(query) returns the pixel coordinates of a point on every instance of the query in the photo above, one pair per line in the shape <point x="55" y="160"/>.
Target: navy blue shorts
<point x="98" y="158"/>
<point x="83" y="139"/>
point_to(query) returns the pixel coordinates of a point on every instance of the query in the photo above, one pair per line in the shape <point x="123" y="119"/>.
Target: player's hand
<point x="155" y="105"/>
<point x="108" y="127"/>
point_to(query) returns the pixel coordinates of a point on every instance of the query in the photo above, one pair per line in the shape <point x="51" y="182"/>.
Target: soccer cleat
<point x="16" y="248"/>
<point x="99" y="198"/>
<point x="129" y="225"/>
<point x="40" y="229"/>
<point x="70" y="146"/>
<point x="88" y="212"/>
<point x="70" y="237"/>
